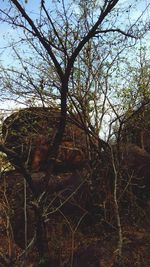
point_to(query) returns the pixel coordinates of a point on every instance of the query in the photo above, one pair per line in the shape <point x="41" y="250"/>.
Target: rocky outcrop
<point x="136" y="129"/>
<point x="30" y="132"/>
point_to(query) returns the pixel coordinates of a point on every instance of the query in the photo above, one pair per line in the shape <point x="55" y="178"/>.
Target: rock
<point x="31" y="131"/>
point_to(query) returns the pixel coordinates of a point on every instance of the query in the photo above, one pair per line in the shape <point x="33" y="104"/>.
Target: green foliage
<point x="135" y="90"/>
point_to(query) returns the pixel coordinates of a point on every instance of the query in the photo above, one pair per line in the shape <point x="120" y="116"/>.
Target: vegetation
<point x="77" y="191"/>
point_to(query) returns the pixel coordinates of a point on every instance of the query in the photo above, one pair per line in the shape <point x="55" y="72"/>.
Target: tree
<point x="62" y="54"/>
<point x="67" y="43"/>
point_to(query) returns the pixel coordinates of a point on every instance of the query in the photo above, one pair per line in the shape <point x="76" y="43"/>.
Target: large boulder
<point x="136" y="129"/>
<point x="135" y="162"/>
<point x="31" y="131"/>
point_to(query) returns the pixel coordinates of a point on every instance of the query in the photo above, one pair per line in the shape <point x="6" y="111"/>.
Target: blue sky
<point x="7" y="33"/>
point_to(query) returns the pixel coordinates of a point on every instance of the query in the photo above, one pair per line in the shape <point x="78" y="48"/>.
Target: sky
<point x="7" y="33"/>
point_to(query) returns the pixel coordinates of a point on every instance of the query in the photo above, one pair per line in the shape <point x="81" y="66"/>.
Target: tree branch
<point x="127" y="34"/>
<point x="54" y="29"/>
<point x="41" y="39"/>
<point x="90" y="34"/>
<point x="17" y="160"/>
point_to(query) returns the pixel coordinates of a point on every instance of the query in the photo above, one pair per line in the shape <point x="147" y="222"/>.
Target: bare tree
<point x="68" y="43"/>
<point x="63" y="48"/>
